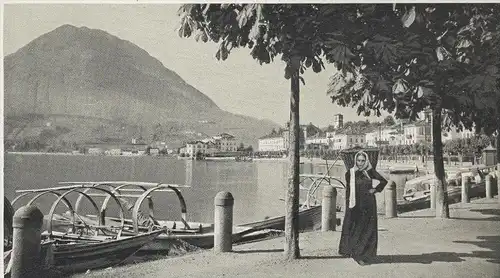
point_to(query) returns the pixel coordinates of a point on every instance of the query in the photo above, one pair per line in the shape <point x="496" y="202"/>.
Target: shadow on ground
<point x="259" y="251"/>
<point x="419" y="259"/>
<point x="487" y="242"/>
<point x="321" y="257"/>
<point x="495" y="212"/>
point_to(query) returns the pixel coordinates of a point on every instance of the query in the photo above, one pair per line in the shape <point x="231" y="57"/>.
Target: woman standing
<point x="359" y="230"/>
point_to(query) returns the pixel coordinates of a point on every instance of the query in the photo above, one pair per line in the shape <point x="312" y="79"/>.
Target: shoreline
<point x="383" y="164"/>
<point x="42" y="153"/>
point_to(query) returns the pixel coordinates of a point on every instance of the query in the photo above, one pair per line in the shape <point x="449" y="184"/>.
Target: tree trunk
<point x="498" y="161"/>
<point x="442" y="210"/>
<point x="292" y="196"/>
<point x="498" y="146"/>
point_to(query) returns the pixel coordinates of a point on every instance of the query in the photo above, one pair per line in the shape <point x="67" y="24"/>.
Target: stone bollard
<point x="329" y="209"/>
<point x="400" y="176"/>
<point x="488" y="181"/>
<point x="432" y="188"/>
<point x="466" y="180"/>
<point x="223" y="222"/>
<point x="390" y="200"/>
<point x="27" y="224"/>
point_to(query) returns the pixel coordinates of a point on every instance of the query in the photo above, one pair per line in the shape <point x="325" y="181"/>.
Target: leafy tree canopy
<point x="304" y="35"/>
<point x="425" y="55"/>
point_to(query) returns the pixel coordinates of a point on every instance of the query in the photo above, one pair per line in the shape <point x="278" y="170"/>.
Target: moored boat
<point x="71" y="253"/>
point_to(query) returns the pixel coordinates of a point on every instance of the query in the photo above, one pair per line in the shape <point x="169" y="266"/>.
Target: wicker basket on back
<point x="348" y="156"/>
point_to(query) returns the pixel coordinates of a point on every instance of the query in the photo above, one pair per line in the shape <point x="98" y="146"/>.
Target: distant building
<point x="114" y="151"/>
<point x="347" y="140"/>
<point x="194" y="147"/>
<point x="272" y="143"/>
<point x="330" y="134"/>
<point x="419" y="132"/>
<point x="338" y="121"/>
<point x="372" y="138"/>
<point x="317" y="140"/>
<point x="225" y="142"/>
<point x="211" y="148"/>
<point x="95" y="151"/>
<point x="393" y="135"/>
<point x="450" y="135"/>
<point x="468" y="133"/>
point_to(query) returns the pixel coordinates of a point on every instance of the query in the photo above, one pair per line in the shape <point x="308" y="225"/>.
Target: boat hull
<point x="84" y="255"/>
<point x="454" y="196"/>
<point x="309" y="219"/>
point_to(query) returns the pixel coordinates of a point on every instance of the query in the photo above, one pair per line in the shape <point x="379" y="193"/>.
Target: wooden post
<point x="390" y="200"/>
<point x="329" y="209"/>
<point x="488" y="181"/>
<point x="465" y="189"/>
<point x="223" y="222"/>
<point x="27" y="224"/>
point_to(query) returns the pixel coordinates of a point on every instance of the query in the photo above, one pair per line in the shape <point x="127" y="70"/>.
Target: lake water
<point x="257" y="186"/>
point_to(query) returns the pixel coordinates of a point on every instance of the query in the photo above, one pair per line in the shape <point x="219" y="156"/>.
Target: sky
<point x="239" y="84"/>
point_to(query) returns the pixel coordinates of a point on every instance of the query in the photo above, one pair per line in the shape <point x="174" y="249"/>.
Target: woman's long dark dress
<point x="359" y="236"/>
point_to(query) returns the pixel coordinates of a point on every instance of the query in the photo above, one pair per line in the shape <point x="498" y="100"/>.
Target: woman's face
<point x="360" y="160"/>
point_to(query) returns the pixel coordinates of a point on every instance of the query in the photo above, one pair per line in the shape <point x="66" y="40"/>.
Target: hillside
<point x="88" y="79"/>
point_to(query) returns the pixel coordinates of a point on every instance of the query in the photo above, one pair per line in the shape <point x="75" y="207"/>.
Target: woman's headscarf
<point x="352" y="183"/>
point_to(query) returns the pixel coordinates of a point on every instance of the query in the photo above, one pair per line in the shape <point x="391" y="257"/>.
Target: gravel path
<point x="412" y="245"/>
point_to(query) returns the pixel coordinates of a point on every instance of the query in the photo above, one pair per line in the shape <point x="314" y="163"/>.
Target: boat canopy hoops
<point x="135" y="212"/>
<point x="101" y="217"/>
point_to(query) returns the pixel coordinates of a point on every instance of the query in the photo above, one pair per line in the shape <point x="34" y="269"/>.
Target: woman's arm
<point x="379" y="177"/>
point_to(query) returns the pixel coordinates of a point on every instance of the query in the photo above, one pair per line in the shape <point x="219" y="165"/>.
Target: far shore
<point x="43" y="153"/>
<point x="315" y="160"/>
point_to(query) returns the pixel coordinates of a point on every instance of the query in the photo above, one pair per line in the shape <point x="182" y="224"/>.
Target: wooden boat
<point x="190" y="233"/>
<point x="71" y="253"/>
<point x="417" y="191"/>
<point x="181" y="231"/>
<point x="309" y="219"/>
<point x="194" y="234"/>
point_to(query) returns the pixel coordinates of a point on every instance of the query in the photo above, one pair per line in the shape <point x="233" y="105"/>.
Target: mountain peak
<point x="79" y="71"/>
<point x="77" y="58"/>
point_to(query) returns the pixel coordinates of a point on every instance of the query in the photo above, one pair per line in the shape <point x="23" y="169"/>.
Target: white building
<point x="192" y="148"/>
<point x="95" y="151"/>
<point x="330" y="134"/>
<point x="450" y="135"/>
<point x="392" y="136"/>
<point x="346" y="141"/>
<point x="317" y="140"/>
<point x="468" y="133"/>
<point x="419" y="132"/>
<point x="225" y="142"/>
<point x="371" y="138"/>
<point x="272" y="143"/>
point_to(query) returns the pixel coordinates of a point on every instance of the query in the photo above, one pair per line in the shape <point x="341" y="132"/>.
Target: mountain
<point x="87" y="80"/>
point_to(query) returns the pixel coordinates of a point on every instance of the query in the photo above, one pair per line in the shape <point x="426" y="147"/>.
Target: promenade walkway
<point x="412" y="245"/>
